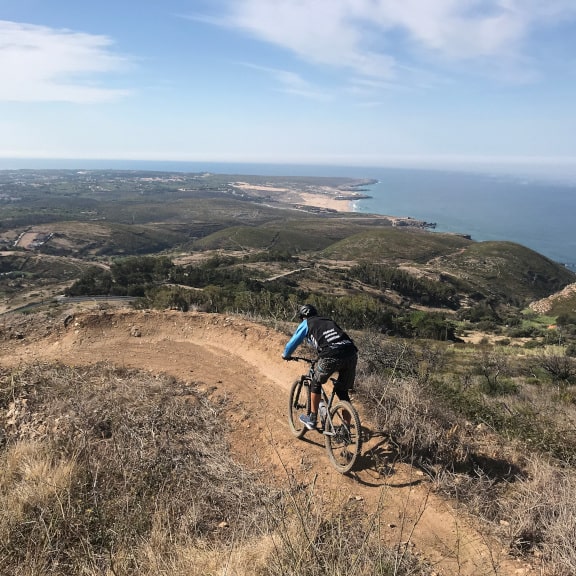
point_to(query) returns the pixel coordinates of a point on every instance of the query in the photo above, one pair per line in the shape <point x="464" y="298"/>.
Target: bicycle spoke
<point x="344" y="445"/>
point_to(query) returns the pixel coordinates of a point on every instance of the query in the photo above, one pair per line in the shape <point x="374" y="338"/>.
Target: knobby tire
<point x="299" y="404"/>
<point x="344" y="447"/>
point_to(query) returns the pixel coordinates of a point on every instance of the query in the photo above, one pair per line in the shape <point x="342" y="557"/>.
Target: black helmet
<point x="307" y="310"/>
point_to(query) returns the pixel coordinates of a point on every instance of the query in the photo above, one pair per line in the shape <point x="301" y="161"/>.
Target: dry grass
<point x="318" y="533"/>
<point x="541" y="515"/>
<point x="100" y="466"/>
<point x="536" y="514"/>
<point x="511" y="480"/>
<point x="29" y="476"/>
<point x="119" y="472"/>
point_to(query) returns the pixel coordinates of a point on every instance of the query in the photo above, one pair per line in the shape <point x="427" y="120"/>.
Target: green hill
<point x="506" y="270"/>
<point x="302" y="234"/>
<point x="396" y="245"/>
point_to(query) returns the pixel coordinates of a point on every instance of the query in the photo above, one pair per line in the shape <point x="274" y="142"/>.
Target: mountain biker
<point x="336" y="351"/>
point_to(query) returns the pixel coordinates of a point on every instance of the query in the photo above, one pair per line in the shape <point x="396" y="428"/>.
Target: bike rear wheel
<point x="299" y="404"/>
<point x="345" y="445"/>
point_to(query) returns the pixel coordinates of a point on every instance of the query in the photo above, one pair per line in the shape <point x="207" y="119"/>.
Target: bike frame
<point x="327" y="424"/>
<point x="343" y="440"/>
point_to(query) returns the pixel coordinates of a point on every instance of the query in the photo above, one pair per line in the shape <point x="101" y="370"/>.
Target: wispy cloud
<point x="372" y="38"/>
<point x="292" y="83"/>
<point x="321" y="32"/>
<point x="42" y="64"/>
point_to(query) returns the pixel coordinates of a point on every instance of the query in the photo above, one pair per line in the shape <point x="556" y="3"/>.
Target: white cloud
<point x="454" y="28"/>
<point x="320" y="31"/>
<point x="363" y="35"/>
<point x="42" y="64"/>
<point x="292" y="83"/>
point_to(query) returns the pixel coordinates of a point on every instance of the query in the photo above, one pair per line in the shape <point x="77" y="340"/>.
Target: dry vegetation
<point x="117" y="471"/>
<point x="113" y="471"/>
<point x="506" y="477"/>
<point x="107" y="469"/>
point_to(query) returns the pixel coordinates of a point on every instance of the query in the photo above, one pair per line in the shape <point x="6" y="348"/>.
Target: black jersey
<point x="328" y="338"/>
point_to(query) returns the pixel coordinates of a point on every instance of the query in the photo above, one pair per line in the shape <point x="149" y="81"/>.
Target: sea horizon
<point x="534" y="207"/>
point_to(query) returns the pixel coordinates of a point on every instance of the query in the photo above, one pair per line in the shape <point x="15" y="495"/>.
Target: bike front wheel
<point x="345" y="443"/>
<point x="299" y="404"/>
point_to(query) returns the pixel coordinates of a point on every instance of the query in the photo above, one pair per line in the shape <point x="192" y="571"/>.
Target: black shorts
<point x="346" y="368"/>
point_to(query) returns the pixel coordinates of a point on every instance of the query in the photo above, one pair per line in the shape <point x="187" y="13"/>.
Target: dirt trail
<point x="241" y="361"/>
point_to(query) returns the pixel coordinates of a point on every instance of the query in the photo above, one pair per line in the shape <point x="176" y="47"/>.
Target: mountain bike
<point x="343" y="441"/>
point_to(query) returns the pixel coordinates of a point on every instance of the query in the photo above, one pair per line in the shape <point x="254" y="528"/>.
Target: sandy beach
<point x="325" y="201"/>
<point x="325" y="198"/>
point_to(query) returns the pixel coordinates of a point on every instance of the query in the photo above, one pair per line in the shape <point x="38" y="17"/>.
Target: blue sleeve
<point x="296" y="340"/>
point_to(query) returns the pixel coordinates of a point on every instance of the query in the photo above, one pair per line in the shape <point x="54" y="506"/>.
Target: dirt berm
<point x="232" y="357"/>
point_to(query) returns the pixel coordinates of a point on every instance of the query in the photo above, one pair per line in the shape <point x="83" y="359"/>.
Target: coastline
<point x="487" y="205"/>
<point x="321" y="198"/>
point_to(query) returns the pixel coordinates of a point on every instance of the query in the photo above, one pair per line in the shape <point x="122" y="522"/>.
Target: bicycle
<point x="343" y="442"/>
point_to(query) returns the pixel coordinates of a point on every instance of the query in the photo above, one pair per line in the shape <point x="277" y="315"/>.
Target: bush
<point x="566" y="320"/>
<point x="524" y="332"/>
<point x="433" y="326"/>
<point x="561" y="369"/>
<point x="421" y="429"/>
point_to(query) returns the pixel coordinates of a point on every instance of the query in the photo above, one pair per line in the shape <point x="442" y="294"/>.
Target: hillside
<point x="56" y="224"/>
<point x="143" y="425"/>
<point x="238" y="362"/>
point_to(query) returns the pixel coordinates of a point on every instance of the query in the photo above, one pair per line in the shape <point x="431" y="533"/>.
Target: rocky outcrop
<point x="545" y="305"/>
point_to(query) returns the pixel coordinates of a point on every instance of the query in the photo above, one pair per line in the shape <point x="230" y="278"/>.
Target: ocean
<point x="538" y="214"/>
<point x="534" y="208"/>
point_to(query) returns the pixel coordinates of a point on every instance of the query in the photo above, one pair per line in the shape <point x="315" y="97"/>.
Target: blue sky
<point x="356" y="82"/>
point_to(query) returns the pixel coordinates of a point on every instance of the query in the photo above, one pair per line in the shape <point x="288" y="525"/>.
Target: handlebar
<point x="301" y="359"/>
